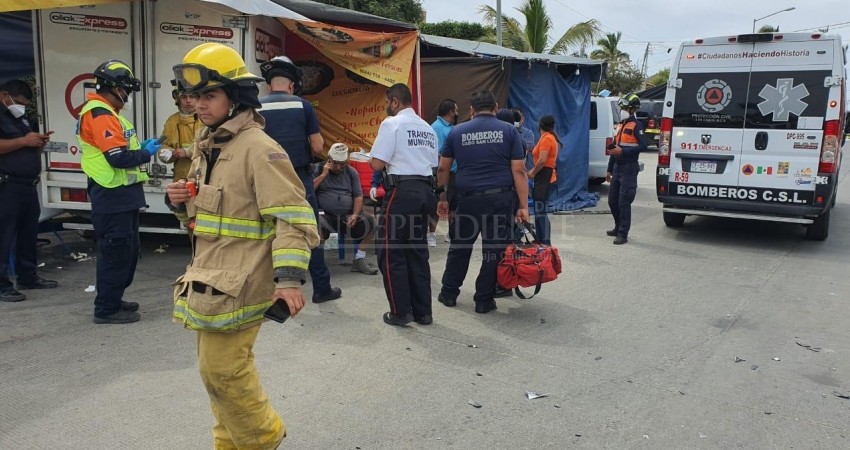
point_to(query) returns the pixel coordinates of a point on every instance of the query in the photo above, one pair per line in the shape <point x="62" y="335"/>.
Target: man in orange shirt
<point x="116" y="165"/>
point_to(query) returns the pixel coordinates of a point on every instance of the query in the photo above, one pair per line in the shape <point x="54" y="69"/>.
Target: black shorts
<point x="541" y="184"/>
<point x="362" y="229"/>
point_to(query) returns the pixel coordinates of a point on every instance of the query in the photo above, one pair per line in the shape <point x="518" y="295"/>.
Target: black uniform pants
<point x="491" y="216"/>
<point x="117" y="254"/>
<point x="320" y="276"/>
<point x="621" y="194"/>
<point x="403" y="249"/>
<point x="19" y="211"/>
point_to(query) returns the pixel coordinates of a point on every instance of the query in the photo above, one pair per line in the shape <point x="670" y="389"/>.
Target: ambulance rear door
<point x="786" y="108"/>
<point x="711" y="83"/>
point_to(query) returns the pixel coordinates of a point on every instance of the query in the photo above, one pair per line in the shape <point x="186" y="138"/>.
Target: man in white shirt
<point x="406" y="150"/>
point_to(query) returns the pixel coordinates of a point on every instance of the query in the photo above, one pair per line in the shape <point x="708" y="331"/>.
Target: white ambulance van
<point x="752" y="128"/>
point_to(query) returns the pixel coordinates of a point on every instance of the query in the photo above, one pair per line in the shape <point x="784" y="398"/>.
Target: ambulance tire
<point x="819" y="229"/>
<point x="674" y="220"/>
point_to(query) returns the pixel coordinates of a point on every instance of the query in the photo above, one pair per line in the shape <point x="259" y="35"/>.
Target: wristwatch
<point x="439" y="190"/>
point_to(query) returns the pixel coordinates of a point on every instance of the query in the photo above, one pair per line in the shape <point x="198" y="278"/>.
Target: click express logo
<point x="199" y="31"/>
<point x="85" y="20"/>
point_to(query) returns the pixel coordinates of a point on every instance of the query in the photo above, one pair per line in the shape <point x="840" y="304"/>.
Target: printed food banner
<point x="350" y="107"/>
<point x="384" y="58"/>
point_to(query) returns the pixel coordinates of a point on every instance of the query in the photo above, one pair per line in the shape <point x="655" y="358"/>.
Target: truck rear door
<point x="708" y="118"/>
<point x="786" y="108"/>
<point x="72" y="42"/>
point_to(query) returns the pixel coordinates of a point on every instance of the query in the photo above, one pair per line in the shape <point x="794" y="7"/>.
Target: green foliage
<point x="622" y="78"/>
<point x="609" y="51"/>
<point x="458" y="30"/>
<point x="658" y="78"/>
<point x="32" y="108"/>
<point x="533" y="35"/>
<point x="409" y="11"/>
<point x="768" y="29"/>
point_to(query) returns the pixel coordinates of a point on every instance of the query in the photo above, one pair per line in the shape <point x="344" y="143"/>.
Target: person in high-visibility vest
<point x="623" y="168"/>
<point x="253" y="231"/>
<point x="116" y="164"/>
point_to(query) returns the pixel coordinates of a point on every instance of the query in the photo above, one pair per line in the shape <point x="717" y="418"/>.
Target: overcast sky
<point x="664" y="23"/>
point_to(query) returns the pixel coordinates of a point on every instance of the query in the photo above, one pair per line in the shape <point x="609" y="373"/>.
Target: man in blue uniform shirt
<point x="291" y="121"/>
<point x="20" y="166"/>
<point x="443" y="125"/>
<point x="491" y="184"/>
<point x="406" y="150"/>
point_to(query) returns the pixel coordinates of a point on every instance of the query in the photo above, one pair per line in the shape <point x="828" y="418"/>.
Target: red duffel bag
<point x="527" y="264"/>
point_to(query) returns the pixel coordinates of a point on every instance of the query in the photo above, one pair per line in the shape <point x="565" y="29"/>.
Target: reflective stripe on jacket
<point x="252" y="225"/>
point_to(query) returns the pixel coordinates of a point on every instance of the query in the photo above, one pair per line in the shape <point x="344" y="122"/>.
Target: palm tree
<point x="608" y="49"/>
<point x="534" y="36"/>
<point x="768" y="29"/>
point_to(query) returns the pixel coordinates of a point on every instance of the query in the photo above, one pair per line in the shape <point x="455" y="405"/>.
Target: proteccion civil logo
<point x="714" y="95"/>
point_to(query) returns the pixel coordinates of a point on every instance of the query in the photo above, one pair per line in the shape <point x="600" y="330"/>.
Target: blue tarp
<point x="539" y="89"/>
<point x="16" y="46"/>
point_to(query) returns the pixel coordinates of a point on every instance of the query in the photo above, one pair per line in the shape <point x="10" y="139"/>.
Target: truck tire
<point x="819" y="229"/>
<point x="673" y="220"/>
<point x="596" y="181"/>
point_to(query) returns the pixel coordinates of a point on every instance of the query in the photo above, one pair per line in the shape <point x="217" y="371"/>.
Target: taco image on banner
<point x="317" y="76"/>
<point x="326" y="34"/>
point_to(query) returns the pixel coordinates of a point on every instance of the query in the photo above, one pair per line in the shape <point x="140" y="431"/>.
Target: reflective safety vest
<point x="94" y="162"/>
<point x="626" y="135"/>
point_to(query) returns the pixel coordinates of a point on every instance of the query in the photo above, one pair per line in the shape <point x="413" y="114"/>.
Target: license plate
<point x="704" y="166"/>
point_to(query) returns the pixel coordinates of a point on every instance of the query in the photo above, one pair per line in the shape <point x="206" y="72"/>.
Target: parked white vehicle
<point x="752" y="129"/>
<point x="604" y="117"/>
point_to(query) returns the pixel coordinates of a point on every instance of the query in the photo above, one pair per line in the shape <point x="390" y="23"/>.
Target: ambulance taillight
<point x="829" y="149"/>
<point x="664" y="141"/>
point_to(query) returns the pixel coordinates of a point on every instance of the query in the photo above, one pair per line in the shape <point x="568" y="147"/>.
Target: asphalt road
<point x="635" y="347"/>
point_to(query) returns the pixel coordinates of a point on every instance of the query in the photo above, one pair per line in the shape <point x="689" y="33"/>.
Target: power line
<point x="592" y="18"/>
<point x="834" y="25"/>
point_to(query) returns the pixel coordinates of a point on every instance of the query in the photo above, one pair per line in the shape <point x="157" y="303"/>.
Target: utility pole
<point x="645" y="65"/>
<point x="499" y="23"/>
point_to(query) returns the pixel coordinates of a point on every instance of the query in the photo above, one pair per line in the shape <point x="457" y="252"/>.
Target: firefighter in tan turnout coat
<point x="253" y="233"/>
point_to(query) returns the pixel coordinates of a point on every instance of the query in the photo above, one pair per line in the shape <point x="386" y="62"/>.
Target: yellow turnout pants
<point x="244" y="418"/>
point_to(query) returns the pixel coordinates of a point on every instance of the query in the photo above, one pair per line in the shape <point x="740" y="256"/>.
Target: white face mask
<point x="17" y="110"/>
<point x="624" y="114"/>
<point x="128" y="105"/>
<point x="516" y="124"/>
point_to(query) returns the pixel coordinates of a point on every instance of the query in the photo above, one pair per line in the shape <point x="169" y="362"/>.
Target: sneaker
<point x="37" y="283"/>
<point x="10" y="295"/>
<point x="612" y="232"/>
<point x="620" y="240"/>
<point x="448" y="239"/>
<point x="432" y="239"/>
<point x="129" y="306"/>
<point x="119" y="317"/>
<point x="363" y="266"/>
<point x="334" y="294"/>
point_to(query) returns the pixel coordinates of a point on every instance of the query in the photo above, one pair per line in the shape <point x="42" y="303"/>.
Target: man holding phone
<point x="20" y="167"/>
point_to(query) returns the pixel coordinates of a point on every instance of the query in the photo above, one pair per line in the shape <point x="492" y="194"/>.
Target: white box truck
<point x="150" y="36"/>
<point x="752" y="128"/>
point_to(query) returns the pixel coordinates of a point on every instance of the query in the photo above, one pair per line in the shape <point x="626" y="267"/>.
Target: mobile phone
<point x="279" y="311"/>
